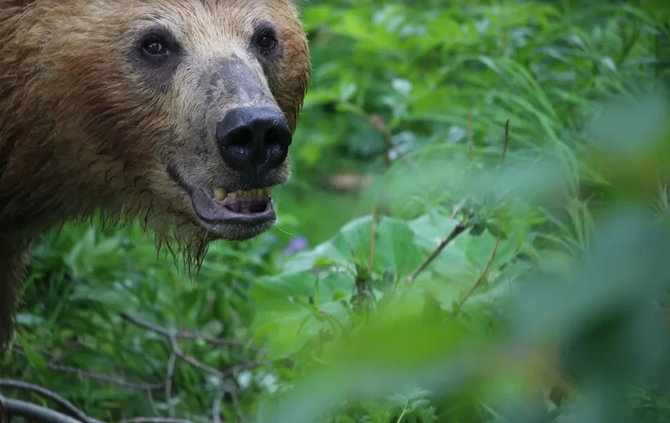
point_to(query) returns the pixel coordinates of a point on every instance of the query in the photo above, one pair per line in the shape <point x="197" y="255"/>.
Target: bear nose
<point x="253" y="138"/>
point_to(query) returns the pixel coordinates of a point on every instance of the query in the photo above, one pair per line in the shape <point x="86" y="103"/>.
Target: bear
<point x="177" y="113"/>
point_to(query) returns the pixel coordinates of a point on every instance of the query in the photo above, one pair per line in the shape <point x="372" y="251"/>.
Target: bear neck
<point x="42" y="186"/>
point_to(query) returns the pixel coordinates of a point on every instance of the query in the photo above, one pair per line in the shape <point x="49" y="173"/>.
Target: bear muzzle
<point x="254" y="140"/>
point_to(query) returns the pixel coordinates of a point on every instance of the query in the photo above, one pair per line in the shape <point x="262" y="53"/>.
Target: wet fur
<point x="84" y="128"/>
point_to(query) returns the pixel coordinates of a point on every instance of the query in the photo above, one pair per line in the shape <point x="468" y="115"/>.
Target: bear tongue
<point x="245" y="210"/>
<point x="247" y="205"/>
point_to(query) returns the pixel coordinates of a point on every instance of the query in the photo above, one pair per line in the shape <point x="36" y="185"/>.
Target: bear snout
<point x="254" y="140"/>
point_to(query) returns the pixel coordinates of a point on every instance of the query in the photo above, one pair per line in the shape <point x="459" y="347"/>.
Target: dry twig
<point x="50" y="395"/>
<point x="378" y="123"/>
<point x="35" y="412"/>
<point x="372" y="243"/>
<point x="154" y="420"/>
<point x="168" y="383"/>
<point x="470" y="138"/>
<point x="179" y="334"/>
<point x="459" y="229"/>
<point x="486" y="269"/>
<point x="505" y="143"/>
<point x="97" y="377"/>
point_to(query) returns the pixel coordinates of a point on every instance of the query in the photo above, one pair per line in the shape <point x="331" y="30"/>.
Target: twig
<point x="486" y="269"/>
<point x="459" y="229"/>
<point x="176" y="350"/>
<point x="404" y="411"/>
<point x="168" y="383"/>
<point x="154" y="420"/>
<point x="105" y="378"/>
<point x="244" y="366"/>
<point x="4" y="413"/>
<point x="152" y="403"/>
<point x="177" y="334"/>
<point x="505" y="143"/>
<point x="662" y="201"/>
<point x="193" y="362"/>
<point x="378" y="123"/>
<point x="43" y="392"/>
<point x="236" y="403"/>
<point x="216" y="407"/>
<point x="330" y="318"/>
<point x="457" y="210"/>
<point x="35" y="412"/>
<point x="469" y="137"/>
<point x="98" y="377"/>
<point x="386" y="134"/>
<point x="372" y="243"/>
<point x="173" y="337"/>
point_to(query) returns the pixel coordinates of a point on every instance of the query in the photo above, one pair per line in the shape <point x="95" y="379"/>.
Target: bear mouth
<point x="251" y="208"/>
<point x="217" y="206"/>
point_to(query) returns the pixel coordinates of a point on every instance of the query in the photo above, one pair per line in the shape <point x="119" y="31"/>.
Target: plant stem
<point x="459" y="229"/>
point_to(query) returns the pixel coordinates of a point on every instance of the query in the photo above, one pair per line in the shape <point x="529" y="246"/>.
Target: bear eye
<point x="153" y="48"/>
<point x="267" y="41"/>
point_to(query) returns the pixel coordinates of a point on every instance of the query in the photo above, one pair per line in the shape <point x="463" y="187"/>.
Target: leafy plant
<point x="476" y="230"/>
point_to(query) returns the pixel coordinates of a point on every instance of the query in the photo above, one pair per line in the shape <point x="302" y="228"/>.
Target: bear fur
<point x="113" y="105"/>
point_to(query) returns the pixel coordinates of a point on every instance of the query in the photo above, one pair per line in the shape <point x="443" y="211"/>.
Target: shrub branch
<point x="35" y="412"/>
<point x="486" y="269"/>
<point x="459" y="229"/>
<point x="50" y="395"/>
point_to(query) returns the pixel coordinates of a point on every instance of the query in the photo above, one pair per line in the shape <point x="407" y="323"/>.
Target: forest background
<point x="477" y="230"/>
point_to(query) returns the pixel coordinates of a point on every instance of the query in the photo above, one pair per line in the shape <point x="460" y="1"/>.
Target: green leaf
<point x="35" y="360"/>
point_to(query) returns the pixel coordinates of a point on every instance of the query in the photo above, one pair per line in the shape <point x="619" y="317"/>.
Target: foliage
<point x="548" y="302"/>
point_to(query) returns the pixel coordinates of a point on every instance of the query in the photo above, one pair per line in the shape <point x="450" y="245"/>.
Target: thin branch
<point x="470" y="138"/>
<point x="486" y="269"/>
<point x="457" y="210"/>
<point x="505" y="143"/>
<point x="192" y="361"/>
<point x="178" y="334"/>
<point x="168" y="383"/>
<point x="386" y="134"/>
<point x="216" y="406"/>
<point x="372" y="243"/>
<point x="105" y="378"/>
<point x="98" y="377"/>
<point x="154" y="420"/>
<point x="4" y="413"/>
<point x="152" y="403"/>
<point x="177" y="352"/>
<point x="236" y="404"/>
<point x="244" y="366"/>
<point x="35" y="412"/>
<point x="459" y="229"/>
<point x="377" y="122"/>
<point x="43" y="392"/>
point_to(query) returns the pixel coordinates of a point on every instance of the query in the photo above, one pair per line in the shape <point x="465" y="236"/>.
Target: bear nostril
<point x="241" y="137"/>
<point x="277" y="141"/>
<point x="252" y="138"/>
<point x="275" y="155"/>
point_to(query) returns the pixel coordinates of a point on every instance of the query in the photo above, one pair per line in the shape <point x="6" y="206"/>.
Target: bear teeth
<point x="221" y="194"/>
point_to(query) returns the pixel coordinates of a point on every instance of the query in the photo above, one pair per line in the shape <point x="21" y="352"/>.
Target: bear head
<point x="180" y="112"/>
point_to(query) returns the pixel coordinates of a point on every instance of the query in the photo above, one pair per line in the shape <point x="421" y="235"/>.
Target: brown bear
<point x="177" y="112"/>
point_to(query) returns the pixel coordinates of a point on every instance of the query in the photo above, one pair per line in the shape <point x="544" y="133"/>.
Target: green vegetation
<point x="549" y="304"/>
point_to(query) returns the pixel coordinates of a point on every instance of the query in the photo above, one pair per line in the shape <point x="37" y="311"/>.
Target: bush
<point x="484" y="185"/>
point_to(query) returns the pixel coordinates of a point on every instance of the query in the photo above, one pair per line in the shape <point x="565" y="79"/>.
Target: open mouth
<point x="252" y="208"/>
<point x="217" y="206"/>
